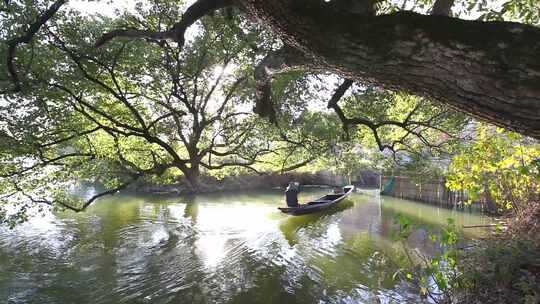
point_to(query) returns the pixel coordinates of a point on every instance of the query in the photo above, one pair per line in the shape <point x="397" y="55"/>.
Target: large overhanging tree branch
<point x="487" y="69"/>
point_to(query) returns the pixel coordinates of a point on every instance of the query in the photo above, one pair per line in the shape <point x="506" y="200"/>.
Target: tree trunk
<point x="490" y="70"/>
<point x="192" y="177"/>
<point x="490" y="203"/>
<point x="442" y="7"/>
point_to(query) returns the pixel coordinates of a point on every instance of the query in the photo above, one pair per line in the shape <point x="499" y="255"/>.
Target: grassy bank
<point x="505" y="267"/>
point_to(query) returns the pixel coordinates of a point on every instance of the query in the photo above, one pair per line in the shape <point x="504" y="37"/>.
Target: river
<point x="215" y="248"/>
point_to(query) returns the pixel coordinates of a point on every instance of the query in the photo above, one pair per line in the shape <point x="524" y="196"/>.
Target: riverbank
<point x="209" y="184"/>
<point x="505" y="267"/>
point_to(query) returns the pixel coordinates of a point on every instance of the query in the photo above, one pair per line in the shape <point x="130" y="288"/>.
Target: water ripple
<point x="228" y="248"/>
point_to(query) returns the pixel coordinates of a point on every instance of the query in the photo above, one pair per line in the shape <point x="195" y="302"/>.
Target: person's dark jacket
<point x="291" y="195"/>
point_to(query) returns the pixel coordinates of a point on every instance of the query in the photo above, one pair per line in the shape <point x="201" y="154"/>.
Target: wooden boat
<point x="320" y="203"/>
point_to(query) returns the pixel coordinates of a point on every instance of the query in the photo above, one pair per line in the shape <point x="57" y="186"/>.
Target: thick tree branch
<point x="280" y="61"/>
<point x="104" y="193"/>
<point x="411" y="127"/>
<point x="219" y="112"/>
<point x="133" y="34"/>
<point x="442" y="7"/>
<point x="43" y="162"/>
<point x="67" y="138"/>
<point x="196" y="11"/>
<point x="297" y="165"/>
<point x="241" y="162"/>
<point x="338" y="94"/>
<point x="26" y="38"/>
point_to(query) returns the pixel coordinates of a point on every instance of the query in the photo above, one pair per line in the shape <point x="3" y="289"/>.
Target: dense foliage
<point x="500" y="166"/>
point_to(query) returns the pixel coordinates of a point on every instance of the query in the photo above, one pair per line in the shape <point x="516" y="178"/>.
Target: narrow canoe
<point x="319" y="204"/>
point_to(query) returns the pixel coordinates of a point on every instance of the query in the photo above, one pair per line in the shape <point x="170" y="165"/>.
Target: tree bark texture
<point x="490" y="70"/>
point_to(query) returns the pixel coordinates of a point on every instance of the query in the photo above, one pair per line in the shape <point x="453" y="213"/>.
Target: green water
<point x="219" y="248"/>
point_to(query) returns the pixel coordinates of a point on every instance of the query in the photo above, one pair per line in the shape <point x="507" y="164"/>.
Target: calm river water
<point x="219" y="248"/>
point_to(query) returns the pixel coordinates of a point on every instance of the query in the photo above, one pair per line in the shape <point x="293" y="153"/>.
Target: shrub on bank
<point x="501" y="268"/>
<point x="505" y="268"/>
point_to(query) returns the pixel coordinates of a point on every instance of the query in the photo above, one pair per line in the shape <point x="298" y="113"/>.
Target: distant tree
<point x="131" y="111"/>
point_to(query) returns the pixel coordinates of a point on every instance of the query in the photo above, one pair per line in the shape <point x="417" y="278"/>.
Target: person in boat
<point x="337" y="190"/>
<point x="291" y="194"/>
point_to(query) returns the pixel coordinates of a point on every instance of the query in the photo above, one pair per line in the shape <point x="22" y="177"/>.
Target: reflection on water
<point x="219" y="248"/>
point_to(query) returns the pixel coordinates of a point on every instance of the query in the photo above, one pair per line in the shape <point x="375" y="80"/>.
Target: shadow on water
<point x="290" y="226"/>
